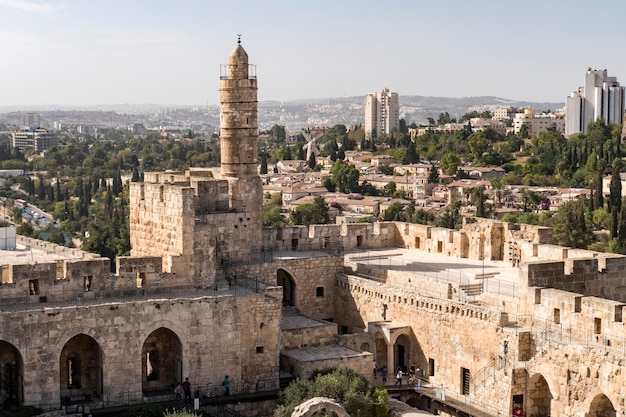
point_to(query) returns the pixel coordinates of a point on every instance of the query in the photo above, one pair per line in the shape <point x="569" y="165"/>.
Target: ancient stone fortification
<point x="494" y="313"/>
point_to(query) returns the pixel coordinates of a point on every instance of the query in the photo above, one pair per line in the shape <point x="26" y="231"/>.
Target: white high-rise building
<point x="382" y="113"/>
<point x="600" y="97"/>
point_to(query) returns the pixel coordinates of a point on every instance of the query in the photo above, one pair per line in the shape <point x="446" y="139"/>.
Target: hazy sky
<point x="89" y="52"/>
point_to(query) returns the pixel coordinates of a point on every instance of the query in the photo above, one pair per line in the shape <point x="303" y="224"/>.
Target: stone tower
<point x="238" y="140"/>
<point x="202" y="220"/>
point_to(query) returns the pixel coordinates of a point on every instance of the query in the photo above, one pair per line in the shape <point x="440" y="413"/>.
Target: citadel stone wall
<point x="235" y="335"/>
<point x="313" y="279"/>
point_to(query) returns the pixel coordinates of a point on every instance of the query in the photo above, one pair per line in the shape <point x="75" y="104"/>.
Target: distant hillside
<point x="294" y="115"/>
<point x="350" y="110"/>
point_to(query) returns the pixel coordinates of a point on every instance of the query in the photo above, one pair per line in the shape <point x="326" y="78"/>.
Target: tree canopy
<point x="357" y="396"/>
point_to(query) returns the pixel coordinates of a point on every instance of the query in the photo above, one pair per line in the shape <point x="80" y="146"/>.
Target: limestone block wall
<point x="223" y="237"/>
<point x="587" y="276"/>
<point x="162" y="217"/>
<point x="575" y="376"/>
<point x="139" y="272"/>
<point x="60" y="251"/>
<point x="357" y="341"/>
<point x="308" y="275"/>
<point x="414" y="236"/>
<point x="246" y="197"/>
<point x="235" y="335"/>
<point x="54" y="281"/>
<point x="545" y="253"/>
<point x="542" y="273"/>
<point x="210" y="196"/>
<point x="308" y="336"/>
<point x="527" y="233"/>
<point x="452" y="334"/>
<point x="583" y="319"/>
<point x="360" y="362"/>
<point x="346" y="236"/>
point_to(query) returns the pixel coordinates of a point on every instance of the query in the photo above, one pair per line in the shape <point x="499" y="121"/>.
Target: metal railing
<point x="163" y="395"/>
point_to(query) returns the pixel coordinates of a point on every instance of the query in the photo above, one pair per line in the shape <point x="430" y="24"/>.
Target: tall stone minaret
<point x="239" y="131"/>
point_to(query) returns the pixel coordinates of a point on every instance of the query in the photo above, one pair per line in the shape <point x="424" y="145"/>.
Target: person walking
<point x="179" y="392"/>
<point x="383" y="374"/>
<point x="226" y="385"/>
<point x="375" y="368"/>
<point x="399" y="377"/>
<point x="187" y="391"/>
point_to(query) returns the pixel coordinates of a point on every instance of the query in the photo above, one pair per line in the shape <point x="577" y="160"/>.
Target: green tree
<point x="570" y="227"/>
<point x="479" y="144"/>
<point x="450" y="217"/>
<point x="272" y="216"/>
<point x="312" y="213"/>
<point x="26" y="229"/>
<point x="450" y="163"/>
<point x="410" y="156"/>
<point x="263" y="168"/>
<point x="433" y="175"/>
<point x="311" y="162"/>
<point x="345" y="177"/>
<point x="352" y="391"/>
<point x="615" y="196"/>
<point x="621" y="229"/>
<point x="390" y="189"/>
<point x="393" y="212"/>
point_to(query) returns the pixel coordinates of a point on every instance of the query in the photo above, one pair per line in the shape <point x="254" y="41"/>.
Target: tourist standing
<point x="187" y="391"/>
<point x="226" y="385"/>
<point x="383" y="374"/>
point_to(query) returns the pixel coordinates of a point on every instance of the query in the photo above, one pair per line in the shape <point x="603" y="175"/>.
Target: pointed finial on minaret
<point x="238" y="39"/>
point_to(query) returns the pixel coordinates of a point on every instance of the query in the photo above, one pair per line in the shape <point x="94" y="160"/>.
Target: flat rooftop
<point x="320" y="353"/>
<point x="292" y="320"/>
<point x="496" y="276"/>
<point x="23" y="254"/>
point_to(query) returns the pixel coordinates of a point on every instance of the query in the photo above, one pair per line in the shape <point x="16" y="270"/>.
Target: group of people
<point x="184" y="389"/>
<point x="414" y="375"/>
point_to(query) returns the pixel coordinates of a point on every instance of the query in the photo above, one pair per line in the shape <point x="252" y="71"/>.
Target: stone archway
<point x="80" y="368"/>
<point x="380" y="351"/>
<point x="539" y="398"/>
<point x="601" y="406"/>
<point x="285" y="280"/>
<point x="402" y="352"/>
<point x="161" y="360"/>
<point x="11" y="375"/>
<point x="312" y="406"/>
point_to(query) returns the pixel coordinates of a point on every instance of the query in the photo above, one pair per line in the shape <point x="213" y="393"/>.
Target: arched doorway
<point x="539" y="397"/>
<point x="380" y="347"/>
<point x="284" y="279"/>
<point x="80" y="368"/>
<point x="161" y="360"/>
<point x="402" y="352"/>
<point x="601" y="406"/>
<point x="11" y="375"/>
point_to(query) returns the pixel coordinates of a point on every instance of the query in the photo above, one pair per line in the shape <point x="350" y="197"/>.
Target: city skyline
<point x="72" y="53"/>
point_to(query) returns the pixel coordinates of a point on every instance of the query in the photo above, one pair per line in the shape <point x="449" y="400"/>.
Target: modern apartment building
<point x="382" y="113"/>
<point x="537" y="123"/>
<point x="34" y="139"/>
<point x="600" y="97"/>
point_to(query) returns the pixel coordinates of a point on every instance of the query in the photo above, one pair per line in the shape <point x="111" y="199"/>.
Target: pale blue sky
<point x="89" y="52"/>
